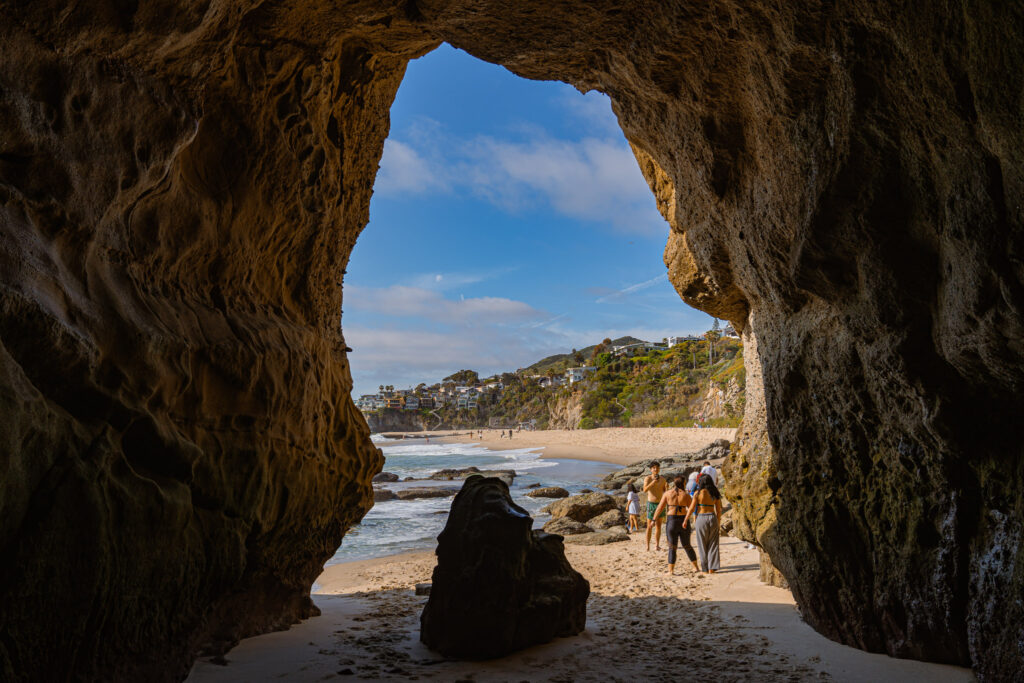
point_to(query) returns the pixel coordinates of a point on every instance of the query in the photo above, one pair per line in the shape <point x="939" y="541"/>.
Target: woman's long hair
<point x="706" y="483"/>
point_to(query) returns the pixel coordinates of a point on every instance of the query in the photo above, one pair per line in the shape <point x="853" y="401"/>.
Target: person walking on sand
<point x="707" y="501"/>
<point x="654" y="487"/>
<point x="632" y="507"/>
<point x="677" y="502"/>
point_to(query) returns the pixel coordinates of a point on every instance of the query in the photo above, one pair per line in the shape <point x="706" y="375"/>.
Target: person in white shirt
<point x="710" y="471"/>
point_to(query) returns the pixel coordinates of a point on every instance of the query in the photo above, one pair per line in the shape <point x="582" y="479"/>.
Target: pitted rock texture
<point x="181" y="185"/>
<point x="498" y="585"/>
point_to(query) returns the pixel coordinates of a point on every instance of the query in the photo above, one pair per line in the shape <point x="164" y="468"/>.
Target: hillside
<point x="560" y="361"/>
<point x="673" y="387"/>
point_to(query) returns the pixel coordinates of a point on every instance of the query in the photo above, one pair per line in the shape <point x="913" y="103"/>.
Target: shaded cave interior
<point x="181" y="187"/>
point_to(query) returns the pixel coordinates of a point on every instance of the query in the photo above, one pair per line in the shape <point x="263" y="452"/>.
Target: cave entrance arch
<point x="842" y="182"/>
<point x="502" y="206"/>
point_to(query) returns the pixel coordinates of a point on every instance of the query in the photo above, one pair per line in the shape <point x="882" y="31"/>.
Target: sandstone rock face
<point x="615" y="518"/>
<point x="498" y="586"/>
<point x="566" y="412"/>
<point x="566" y="527"/>
<point x="181" y="185"/>
<point x="582" y="507"/>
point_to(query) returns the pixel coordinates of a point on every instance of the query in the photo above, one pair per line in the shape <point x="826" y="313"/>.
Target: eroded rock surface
<point x="181" y="184"/>
<point x="498" y="586"/>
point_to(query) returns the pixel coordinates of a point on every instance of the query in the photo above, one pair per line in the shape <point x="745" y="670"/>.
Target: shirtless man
<point x="655" y="486"/>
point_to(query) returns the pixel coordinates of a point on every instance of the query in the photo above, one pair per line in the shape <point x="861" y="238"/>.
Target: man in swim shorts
<point x="655" y="486"/>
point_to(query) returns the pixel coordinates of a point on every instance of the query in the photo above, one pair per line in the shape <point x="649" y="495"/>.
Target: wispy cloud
<point x="632" y="289"/>
<point x="402" y="301"/>
<point x="594" y="110"/>
<point x="592" y="179"/>
<point x="452" y="280"/>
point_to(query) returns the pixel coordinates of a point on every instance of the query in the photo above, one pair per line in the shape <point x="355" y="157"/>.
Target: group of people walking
<point x="691" y="503"/>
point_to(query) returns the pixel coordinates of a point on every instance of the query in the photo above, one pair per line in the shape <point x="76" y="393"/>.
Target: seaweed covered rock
<point x="499" y="586"/>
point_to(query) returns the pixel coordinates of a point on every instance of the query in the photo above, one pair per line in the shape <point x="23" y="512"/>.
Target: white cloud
<point x="452" y="280"/>
<point x="592" y="179"/>
<point x="404" y="171"/>
<point x="402" y="301"/>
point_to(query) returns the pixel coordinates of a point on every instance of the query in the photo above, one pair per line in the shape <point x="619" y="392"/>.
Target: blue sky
<point x="509" y="221"/>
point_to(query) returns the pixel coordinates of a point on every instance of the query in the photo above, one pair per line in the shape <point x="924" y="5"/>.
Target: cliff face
<point x="394" y="421"/>
<point x="566" y="412"/>
<point x="181" y="184"/>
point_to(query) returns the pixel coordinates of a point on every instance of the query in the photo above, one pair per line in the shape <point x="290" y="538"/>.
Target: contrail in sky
<point x="632" y="288"/>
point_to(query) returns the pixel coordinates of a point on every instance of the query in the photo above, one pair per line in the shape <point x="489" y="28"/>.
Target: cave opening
<point x="510" y="223"/>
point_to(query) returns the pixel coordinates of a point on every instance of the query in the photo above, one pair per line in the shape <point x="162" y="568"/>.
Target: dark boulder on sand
<point x="498" y="585"/>
<point x="549" y="492"/>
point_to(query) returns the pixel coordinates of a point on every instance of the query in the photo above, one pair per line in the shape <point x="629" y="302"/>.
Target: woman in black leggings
<point x="677" y="500"/>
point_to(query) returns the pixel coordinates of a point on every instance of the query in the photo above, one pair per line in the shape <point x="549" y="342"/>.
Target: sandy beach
<point x="641" y="623"/>
<point x="618" y="445"/>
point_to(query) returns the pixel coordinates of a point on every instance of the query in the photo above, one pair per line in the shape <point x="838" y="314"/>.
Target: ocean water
<point x="398" y="526"/>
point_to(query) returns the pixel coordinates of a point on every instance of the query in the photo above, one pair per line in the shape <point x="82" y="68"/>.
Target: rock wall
<point x="566" y="412"/>
<point x="388" y="420"/>
<point x="182" y="182"/>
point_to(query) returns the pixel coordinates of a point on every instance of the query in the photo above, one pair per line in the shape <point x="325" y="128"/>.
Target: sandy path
<point x="642" y="624"/>
<point x="618" y="445"/>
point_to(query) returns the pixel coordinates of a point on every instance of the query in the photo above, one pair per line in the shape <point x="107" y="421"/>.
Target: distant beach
<point x="617" y="445"/>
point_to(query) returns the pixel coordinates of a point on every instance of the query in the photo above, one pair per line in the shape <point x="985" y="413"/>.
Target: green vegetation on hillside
<point x="562" y="361"/>
<point x="664" y="388"/>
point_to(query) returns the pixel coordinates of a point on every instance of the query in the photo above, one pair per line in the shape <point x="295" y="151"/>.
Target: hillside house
<point x="674" y="341"/>
<point x="639" y="348"/>
<point x="573" y="375"/>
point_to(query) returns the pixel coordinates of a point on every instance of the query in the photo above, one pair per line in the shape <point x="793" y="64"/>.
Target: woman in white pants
<point x="707" y="502"/>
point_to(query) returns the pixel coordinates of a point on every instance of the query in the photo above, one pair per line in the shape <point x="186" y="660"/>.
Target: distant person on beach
<point x="654" y="487"/>
<point x="633" y="507"/>
<point x="691" y="483"/>
<point x="710" y="471"/>
<point x="708" y="504"/>
<point x="677" y="503"/>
